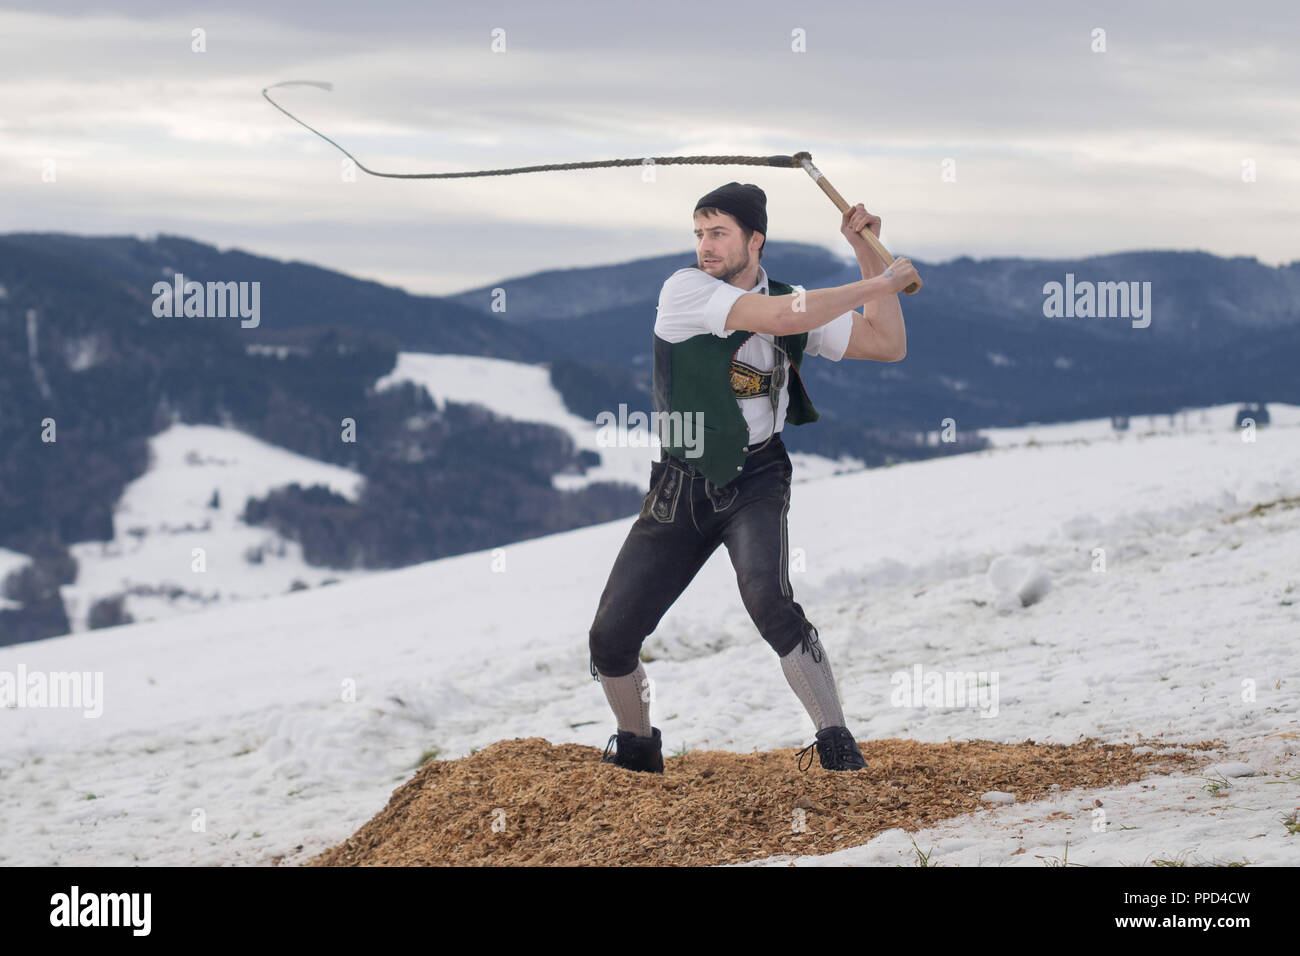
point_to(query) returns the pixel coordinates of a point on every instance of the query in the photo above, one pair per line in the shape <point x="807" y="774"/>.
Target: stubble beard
<point x="734" y="273"/>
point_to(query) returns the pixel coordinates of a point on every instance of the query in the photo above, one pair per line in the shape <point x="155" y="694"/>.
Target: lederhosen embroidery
<point x="721" y="497"/>
<point x="666" y="492"/>
<point x="748" y="381"/>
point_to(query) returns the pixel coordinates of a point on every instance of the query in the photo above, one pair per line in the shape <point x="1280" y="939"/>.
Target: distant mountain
<point x="88" y="373"/>
<point x="84" y="359"/>
<point x="295" y="296"/>
<point x="980" y="349"/>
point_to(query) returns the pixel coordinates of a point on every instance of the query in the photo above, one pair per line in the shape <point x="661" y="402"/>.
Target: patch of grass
<point x="1181" y="860"/>
<point x="681" y="751"/>
<point x="91" y="796"/>
<point x="1215" y="784"/>
<point x="923" y="859"/>
<point x="1059" y="861"/>
<point x="1292" y="822"/>
<point x="424" y="758"/>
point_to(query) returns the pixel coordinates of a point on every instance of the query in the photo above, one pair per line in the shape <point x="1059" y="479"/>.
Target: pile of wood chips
<point x="527" y="802"/>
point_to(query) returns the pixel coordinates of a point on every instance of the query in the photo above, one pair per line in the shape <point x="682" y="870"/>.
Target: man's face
<point x="720" y="246"/>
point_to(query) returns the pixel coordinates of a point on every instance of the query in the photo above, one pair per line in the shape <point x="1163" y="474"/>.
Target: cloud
<point x="1057" y="149"/>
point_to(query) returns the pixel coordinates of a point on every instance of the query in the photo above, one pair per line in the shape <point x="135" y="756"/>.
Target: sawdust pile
<point x="527" y="802"/>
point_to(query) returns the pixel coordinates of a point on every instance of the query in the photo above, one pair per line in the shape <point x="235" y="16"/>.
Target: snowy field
<point x="247" y="730"/>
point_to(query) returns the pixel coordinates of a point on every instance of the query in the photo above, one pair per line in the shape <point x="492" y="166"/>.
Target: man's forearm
<point x="823" y="305"/>
<point x="869" y="262"/>
<point x="884" y="313"/>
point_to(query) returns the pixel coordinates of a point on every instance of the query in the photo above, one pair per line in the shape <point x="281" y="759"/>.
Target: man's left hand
<point x="851" y="223"/>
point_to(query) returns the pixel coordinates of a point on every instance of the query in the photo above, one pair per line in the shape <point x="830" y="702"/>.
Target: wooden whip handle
<point x="864" y="232"/>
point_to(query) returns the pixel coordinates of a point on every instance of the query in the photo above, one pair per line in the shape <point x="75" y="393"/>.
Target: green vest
<point x="695" y="376"/>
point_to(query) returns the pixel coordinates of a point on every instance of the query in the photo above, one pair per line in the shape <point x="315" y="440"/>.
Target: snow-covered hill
<point x="167" y="513"/>
<point x="287" y="721"/>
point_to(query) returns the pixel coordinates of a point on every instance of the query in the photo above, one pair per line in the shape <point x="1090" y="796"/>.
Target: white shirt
<point x="693" y="302"/>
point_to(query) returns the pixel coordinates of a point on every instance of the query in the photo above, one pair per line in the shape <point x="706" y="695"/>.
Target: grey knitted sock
<point x="625" y="699"/>
<point x="808" y="670"/>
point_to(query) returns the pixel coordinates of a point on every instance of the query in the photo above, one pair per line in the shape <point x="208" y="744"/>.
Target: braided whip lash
<point x="801" y="160"/>
<point x="786" y="162"/>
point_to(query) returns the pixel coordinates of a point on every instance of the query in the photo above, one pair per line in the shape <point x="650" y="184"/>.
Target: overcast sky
<point x="1057" y="150"/>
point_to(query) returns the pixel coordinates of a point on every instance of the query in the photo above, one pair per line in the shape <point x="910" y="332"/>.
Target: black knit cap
<point x="746" y="202"/>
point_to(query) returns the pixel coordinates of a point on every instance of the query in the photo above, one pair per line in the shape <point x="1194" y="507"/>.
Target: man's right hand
<point x="899" y="274"/>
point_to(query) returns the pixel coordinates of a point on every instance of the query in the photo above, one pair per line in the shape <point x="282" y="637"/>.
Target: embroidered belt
<point x="750" y="382"/>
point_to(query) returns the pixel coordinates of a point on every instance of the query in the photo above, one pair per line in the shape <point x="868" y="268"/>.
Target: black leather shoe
<point x="636" y="753"/>
<point x="837" y="749"/>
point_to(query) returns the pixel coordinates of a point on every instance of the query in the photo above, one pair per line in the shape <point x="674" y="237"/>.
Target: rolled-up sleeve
<point x="692" y="302"/>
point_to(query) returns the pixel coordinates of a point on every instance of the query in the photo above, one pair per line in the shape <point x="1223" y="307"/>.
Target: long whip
<point x="800" y="160"/>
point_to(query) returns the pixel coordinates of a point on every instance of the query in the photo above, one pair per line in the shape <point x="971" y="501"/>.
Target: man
<point x="724" y="339"/>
